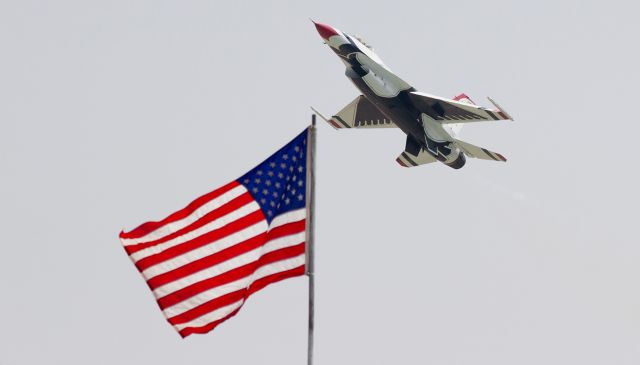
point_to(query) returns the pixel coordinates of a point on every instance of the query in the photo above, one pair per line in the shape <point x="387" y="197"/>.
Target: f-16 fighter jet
<point x="430" y="122"/>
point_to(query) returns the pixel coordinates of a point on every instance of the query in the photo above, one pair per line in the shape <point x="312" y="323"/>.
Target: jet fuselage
<point x="389" y="94"/>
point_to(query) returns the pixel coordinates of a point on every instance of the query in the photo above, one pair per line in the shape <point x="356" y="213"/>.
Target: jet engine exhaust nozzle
<point x="458" y="162"/>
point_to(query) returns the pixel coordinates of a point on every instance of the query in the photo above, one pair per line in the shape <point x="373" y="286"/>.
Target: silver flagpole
<point x="311" y="195"/>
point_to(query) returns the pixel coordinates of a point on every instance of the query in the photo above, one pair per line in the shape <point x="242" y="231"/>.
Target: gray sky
<point x="113" y="113"/>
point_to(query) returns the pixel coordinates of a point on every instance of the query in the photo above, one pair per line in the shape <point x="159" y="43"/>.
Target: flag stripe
<point x="154" y="230"/>
<point x="210" y="243"/>
<point x="208" y="309"/>
<point x="228" y="276"/>
<point x="292" y="216"/>
<point x="266" y="281"/>
<point x="223" y="310"/>
<point x="201" y="225"/>
<point x="254" y="221"/>
<point x="217" y="224"/>
<point x="211" y="316"/>
<point x="204" y="329"/>
<point x="224" y="254"/>
<point x="227" y="262"/>
<point x="211" y="248"/>
<point x="226" y="294"/>
<point x="207" y="262"/>
<point x="277" y="276"/>
<point x="207" y="301"/>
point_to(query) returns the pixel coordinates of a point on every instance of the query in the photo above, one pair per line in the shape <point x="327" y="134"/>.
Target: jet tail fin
<point x="455" y="128"/>
<point x="463" y="98"/>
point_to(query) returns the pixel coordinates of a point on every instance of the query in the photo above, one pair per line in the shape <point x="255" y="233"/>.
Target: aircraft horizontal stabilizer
<point x="414" y="155"/>
<point x="479" y="152"/>
<point x="408" y="160"/>
<point x="360" y="113"/>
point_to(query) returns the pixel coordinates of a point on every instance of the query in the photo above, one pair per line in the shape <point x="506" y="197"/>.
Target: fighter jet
<point x="430" y="122"/>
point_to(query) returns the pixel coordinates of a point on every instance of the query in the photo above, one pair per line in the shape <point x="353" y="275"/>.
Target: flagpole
<point x="311" y="194"/>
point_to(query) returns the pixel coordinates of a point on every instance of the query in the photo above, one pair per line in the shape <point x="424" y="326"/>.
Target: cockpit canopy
<point x="361" y="40"/>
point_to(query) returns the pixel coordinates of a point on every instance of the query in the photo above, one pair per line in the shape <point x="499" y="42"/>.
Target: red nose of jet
<point x="325" y="31"/>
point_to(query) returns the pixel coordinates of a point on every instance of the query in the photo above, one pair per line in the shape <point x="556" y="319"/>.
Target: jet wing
<point x="479" y="152"/>
<point x="448" y="111"/>
<point x="360" y="113"/>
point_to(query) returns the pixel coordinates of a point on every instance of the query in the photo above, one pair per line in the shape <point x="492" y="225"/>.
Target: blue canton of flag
<point x="279" y="183"/>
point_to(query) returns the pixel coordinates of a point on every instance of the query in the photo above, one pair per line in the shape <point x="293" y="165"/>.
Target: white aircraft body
<point x="430" y="122"/>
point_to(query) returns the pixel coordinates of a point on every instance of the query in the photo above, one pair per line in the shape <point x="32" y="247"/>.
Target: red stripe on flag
<point x="258" y="284"/>
<point x="149" y="227"/>
<point x="274" y="278"/>
<point x="287" y="229"/>
<point x="206" y="262"/>
<point x="229" y="207"/>
<point x="208" y="307"/>
<point x="204" y="329"/>
<point x="229" y="276"/>
<point x="200" y="241"/>
<point x="226" y="254"/>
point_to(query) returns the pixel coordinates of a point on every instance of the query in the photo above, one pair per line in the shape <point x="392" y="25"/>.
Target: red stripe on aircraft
<point x="335" y="124"/>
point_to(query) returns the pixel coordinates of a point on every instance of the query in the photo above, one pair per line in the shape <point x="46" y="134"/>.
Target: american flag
<point x="203" y="262"/>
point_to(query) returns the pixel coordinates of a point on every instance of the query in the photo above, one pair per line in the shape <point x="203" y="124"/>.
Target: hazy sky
<point x="113" y="113"/>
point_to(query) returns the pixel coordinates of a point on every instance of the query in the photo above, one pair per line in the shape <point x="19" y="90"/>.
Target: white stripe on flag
<point x="204" y="251"/>
<point x="289" y="217"/>
<point x="278" y="266"/>
<point x="206" y="296"/>
<point x="213" y="225"/>
<point x="211" y="316"/>
<point x="197" y="214"/>
<point x="264" y="271"/>
<point x="234" y="263"/>
<point x="211" y="294"/>
<point x="216" y="246"/>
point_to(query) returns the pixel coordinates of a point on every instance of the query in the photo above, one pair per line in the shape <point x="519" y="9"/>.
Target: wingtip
<point x="316" y="112"/>
<point x="503" y="113"/>
<point x="331" y="121"/>
<point x="334" y="124"/>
